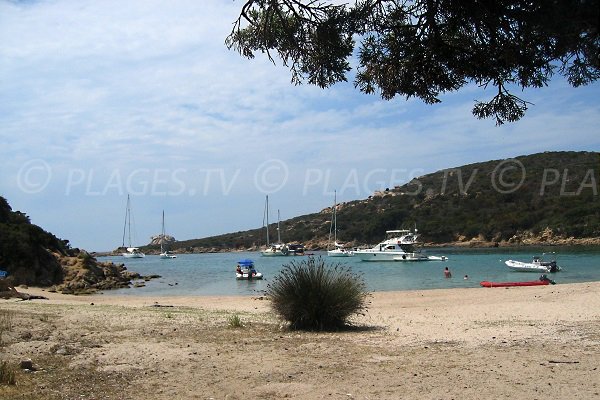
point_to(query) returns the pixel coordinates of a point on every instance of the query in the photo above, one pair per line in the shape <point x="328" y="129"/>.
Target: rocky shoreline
<point x="86" y="275"/>
<point x="547" y="237"/>
<point x="81" y="274"/>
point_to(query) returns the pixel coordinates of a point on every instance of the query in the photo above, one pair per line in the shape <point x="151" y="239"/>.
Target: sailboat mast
<point x="162" y="235"/>
<point x="267" y="217"/>
<point x="129" y="213"/>
<point x="278" y="232"/>
<point x="335" y="218"/>
<point x="125" y="223"/>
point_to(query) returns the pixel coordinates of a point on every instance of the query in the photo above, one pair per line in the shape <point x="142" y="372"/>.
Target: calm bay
<point x="214" y="274"/>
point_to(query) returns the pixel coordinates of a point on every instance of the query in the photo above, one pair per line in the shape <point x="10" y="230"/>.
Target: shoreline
<point x="467" y="244"/>
<point x="242" y="302"/>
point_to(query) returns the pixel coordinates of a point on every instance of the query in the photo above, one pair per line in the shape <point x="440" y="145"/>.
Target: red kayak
<point x="507" y="284"/>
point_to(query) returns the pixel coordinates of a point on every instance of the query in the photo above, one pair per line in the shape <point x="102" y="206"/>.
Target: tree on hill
<point x="25" y="249"/>
<point x="423" y="48"/>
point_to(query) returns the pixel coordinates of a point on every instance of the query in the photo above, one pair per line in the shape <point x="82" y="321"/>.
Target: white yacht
<point x="399" y="245"/>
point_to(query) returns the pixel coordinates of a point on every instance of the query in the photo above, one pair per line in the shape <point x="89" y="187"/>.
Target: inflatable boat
<point x="540" y="282"/>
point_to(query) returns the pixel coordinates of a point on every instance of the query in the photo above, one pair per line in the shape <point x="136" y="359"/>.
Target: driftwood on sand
<point x="9" y="292"/>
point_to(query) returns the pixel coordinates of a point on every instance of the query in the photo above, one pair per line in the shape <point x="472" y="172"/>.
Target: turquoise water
<point x="214" y="274"/>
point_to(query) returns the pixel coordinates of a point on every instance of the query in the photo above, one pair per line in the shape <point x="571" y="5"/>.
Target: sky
<point x="104" y="99"/>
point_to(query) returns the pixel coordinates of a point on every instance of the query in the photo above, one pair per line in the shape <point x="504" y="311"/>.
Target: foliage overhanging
<point x="424" y="48"/>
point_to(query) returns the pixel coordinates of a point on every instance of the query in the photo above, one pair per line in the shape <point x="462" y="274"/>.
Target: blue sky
<point x="99" y="99"/>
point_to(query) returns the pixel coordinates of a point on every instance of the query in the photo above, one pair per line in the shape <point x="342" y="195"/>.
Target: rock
<point x="165" y="239"/>
<point x="26" y="364"/>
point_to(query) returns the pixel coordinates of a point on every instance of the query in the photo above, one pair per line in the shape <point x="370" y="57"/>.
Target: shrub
<point x="234" y="321"/>
<point x="315" y="296"/>
<point x="7" y="374"/>
<point x="6" y="323"/>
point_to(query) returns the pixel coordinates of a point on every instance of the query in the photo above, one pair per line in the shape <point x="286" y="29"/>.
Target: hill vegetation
<point x="26" y="250"/>
<point x="545" y="196"/>
<point x="32" y="256"/>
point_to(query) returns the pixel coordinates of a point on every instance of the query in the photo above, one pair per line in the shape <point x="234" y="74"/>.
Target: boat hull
<point x="339" y="253"/>
<point x="511" y="284"/>
<point x="367" y="255"/>
<point x="267" y="253"/>
<point x="248" y="277"/>
<point x="133" y="255"/>
<point x="276" y="250"/>
<point x="541" y="268"/>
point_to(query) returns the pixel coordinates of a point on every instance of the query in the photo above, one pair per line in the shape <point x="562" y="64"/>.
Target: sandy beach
<point x="525" y="343"/>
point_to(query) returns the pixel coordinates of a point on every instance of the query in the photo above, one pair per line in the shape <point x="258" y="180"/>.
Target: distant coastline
<point x="478" y="242"/>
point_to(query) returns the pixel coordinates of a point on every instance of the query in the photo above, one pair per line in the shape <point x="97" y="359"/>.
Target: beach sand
<point x="477" y="343"/>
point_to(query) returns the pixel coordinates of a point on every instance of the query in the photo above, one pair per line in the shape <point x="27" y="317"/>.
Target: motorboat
<point x="338" y="249"/>
<point x="132" y="252"/>
<point x="536" y="265"/>
<point x="399" y="245"/>
<point x="245" y="270"/>
<point x="296" y="249"/>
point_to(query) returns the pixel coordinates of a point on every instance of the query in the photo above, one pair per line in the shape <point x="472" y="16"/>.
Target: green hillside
<point x="26" y="249"/>
<point x="493" y="200"/>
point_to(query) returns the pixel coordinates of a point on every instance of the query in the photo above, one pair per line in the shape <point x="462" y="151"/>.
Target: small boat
<point x="540" y="282"/>
<point x="340" y="251"/>
<point x="245" y="270"/>
<point x="536" y="265"/>
<point x="132" y="252"/>
<point x="296" y="249"/>
<point x="399" y="245"/>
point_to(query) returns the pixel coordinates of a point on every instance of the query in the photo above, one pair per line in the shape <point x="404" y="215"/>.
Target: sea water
<point x="214" y="274"/>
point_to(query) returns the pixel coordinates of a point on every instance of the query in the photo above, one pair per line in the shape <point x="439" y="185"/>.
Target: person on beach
<point x="447" y="273"/>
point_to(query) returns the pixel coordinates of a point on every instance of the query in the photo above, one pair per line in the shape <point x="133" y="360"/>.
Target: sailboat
<point x="132" y="252"/>
<point x="164" y="253"/>
<point x="338" y="250"/>
<point x="274" y="249"/>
